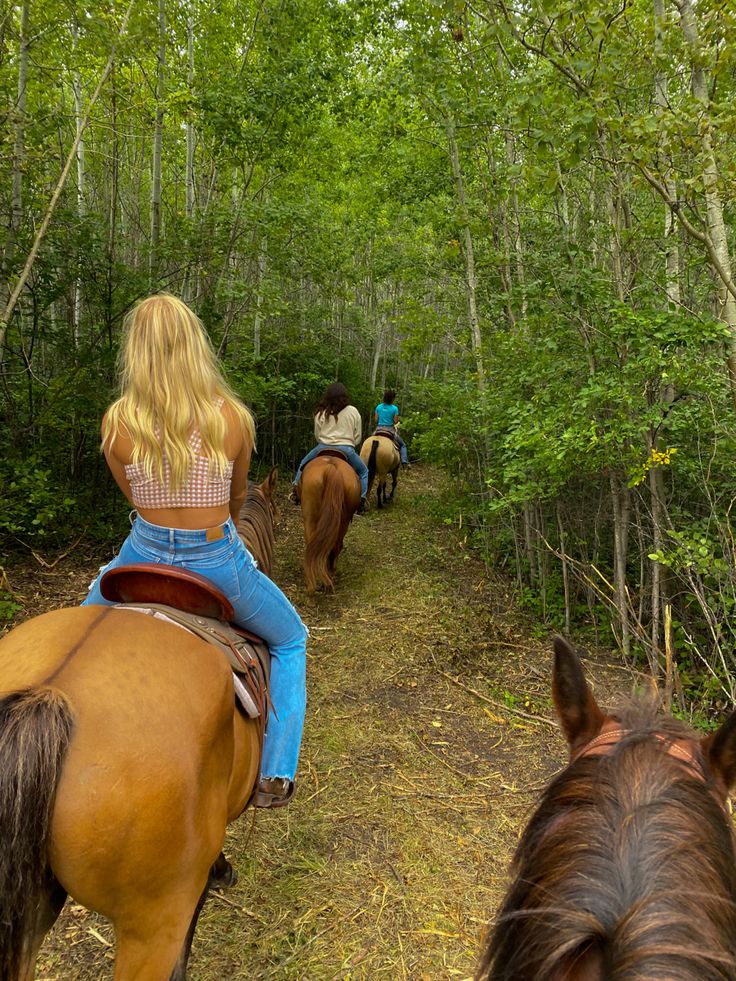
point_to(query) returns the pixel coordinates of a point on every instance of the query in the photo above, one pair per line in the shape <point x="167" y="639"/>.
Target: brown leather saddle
<point x="190" y="600"/>
<point x="389" y="434"/>
<point x="331" y="451"/>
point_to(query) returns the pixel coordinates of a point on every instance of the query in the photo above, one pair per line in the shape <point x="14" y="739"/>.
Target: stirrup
<point x="271" y="792"/>
<point x="294" y="497"/>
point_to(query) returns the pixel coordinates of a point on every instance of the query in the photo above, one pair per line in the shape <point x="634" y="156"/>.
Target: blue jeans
<point x="353" y="459"/>
<point x="403" y="453"/>
<point x="259" y="606"/>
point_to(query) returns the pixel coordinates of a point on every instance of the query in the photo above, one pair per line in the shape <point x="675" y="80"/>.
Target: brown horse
<point x="627" y="868"/>
<point x="122" y="760"/>
<point x="380" y="455"/>
<point x="330" y="494"/>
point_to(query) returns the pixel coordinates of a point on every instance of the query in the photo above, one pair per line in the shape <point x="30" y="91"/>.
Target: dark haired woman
<point x="337" y="426"/>
<point x="386" y="416"/>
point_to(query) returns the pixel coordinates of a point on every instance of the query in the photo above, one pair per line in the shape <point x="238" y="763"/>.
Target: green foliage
<point x="31" y="506"/>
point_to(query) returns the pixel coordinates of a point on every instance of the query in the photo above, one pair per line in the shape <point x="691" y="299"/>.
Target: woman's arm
<point x="241" y="466"/>
<point x="117" y="467"/>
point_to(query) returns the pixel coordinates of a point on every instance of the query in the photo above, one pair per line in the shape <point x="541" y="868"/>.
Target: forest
<point x="520" y="215"/>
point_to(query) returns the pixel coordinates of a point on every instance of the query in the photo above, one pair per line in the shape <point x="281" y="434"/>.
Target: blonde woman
<point x="178" y="442"/>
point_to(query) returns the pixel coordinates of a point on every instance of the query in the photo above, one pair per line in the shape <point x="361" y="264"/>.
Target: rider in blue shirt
<point x="386" y="416"/>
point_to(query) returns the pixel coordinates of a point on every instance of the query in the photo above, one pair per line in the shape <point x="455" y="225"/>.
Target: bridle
<point x="608" y="739"/>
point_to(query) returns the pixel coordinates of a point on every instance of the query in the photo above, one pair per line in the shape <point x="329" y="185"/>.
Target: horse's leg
<point x="50" y="905"/>
<point x="394" y="481"/>
<point x="154" y="941"/>
<point x="222" y="874"/>
<point x="221" y="871"/>
<point x="381" y="494"/>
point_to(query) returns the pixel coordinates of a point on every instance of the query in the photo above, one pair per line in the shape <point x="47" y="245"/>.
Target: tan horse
<point x="380" y="455"/>
<point x="122" y="760"/>
<point x="330" y="494"/>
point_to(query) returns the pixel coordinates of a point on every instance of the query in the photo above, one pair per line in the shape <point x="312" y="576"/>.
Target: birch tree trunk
<point x="260" y="276"/>
<point x="78" y="117"/>
<point x="189" y="179"/>
<point x="16" y="201"/>
<point x="620" y="500"/>
<point x="718" y="240"/>
<point x="470" y="281"/>
<point x="158" y="135"/>
<point x="672" y="256"/>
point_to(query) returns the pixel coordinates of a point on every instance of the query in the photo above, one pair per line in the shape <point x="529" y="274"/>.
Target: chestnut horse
<point x="330" y="494"/>
<point x="627" y="869"/>
<point x="380" y="455"/>
<point x="122" y="760"/>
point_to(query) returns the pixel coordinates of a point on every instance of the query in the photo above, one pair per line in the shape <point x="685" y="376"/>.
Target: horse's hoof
<point x="222" y="874"/>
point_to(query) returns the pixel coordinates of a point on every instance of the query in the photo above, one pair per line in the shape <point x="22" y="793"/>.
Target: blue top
<point x="386" y="414"/>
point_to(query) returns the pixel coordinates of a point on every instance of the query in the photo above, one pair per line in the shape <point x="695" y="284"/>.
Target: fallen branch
<point x="5" y="585"/>
<point x="539" y="719"/>
<point x="50" y="565"/>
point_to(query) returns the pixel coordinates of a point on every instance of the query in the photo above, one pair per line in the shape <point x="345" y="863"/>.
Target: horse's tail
<point x="35" y="729"/>
<point x="372" y="464"/>
<point x="327" y="533"/>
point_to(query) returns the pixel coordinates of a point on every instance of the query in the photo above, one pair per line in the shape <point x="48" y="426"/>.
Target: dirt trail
<point x="412" y="789"/>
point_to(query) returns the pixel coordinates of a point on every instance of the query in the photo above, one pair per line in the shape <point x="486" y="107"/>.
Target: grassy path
<point x="412" y="789"/>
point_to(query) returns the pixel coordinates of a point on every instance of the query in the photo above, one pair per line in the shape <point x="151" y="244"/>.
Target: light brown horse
<point x="330" y="494"/>
<point x="627" y="869"/>
<point x="122" y="760"/>
<point x="380" y="455"/>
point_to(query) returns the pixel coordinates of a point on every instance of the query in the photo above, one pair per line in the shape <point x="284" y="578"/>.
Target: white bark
<point x="61" y="184"/>
<point x="158" y="133"/>
<point x="718" y="244"/>
<point x="470" y="281"/>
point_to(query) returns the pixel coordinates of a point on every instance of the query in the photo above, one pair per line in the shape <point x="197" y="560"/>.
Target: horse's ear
<point x="270" y="482"/>
<point x="580" y="717"/>
<point x="719" y="752"/>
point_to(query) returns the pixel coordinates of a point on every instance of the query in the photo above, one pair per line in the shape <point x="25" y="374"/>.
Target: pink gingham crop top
<point x="200" y="490"/>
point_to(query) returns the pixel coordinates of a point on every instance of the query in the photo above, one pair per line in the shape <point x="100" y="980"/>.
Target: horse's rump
<point x="380" y="455"/>
<point x="330" y="494"/>
<point x="153" y="739"/>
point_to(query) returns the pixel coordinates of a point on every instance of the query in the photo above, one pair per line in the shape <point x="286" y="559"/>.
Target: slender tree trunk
<point x="260" y="277"/>
<point x="19" y="143"/>
<point x="621" y="502"/>
<point x="113" y="206"/>
<point x="81" y="210"/>
<point x="565" y="573"/>
<point x="190" y="122"/>
<point x="672" y="257"/>
<point x="517" y="240"/>
<point x="58" y="190"/>
<point x="717" y="233"/>
<point x="158" y="135"/>
<point x="470" y="281"/>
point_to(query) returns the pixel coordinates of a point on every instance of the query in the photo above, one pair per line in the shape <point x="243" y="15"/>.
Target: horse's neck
<point x="255" y="527"/>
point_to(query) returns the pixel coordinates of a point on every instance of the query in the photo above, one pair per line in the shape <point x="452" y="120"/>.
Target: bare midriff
<point x="189" y="518"/>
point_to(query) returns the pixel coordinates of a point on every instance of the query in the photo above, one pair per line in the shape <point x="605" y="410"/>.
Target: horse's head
<point x="628" y="864"/>
<point x="591" y="731"/>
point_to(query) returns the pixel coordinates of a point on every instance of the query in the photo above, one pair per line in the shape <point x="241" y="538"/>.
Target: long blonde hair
<point x="170" y="384"/>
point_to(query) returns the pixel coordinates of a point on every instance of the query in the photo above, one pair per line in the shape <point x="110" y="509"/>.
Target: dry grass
<point x="426" y="744"/>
